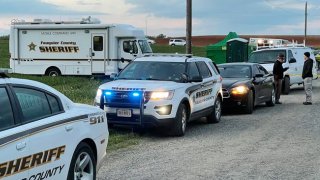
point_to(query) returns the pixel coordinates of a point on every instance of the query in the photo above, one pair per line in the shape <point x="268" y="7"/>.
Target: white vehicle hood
<point x="125" y="85"/>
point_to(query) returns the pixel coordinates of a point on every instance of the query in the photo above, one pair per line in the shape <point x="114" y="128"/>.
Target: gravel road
<point x="281" y="142"/>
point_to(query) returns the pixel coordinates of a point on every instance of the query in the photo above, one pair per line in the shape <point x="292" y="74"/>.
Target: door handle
<point x="68" y="128"/>
<point x="93" y="54"/>
<point x="21" y="146"/>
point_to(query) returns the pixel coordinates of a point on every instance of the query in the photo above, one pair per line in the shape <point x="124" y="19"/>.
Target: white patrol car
<point x="44" y="135"/>
<point x="163" y="90"/>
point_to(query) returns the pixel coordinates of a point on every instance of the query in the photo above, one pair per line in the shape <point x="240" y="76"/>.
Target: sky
<point x="168" y="17"/>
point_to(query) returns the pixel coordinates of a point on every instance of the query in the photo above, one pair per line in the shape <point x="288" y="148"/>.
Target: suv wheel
<point x="181" y="120"/>
<point x="215" y="115"/>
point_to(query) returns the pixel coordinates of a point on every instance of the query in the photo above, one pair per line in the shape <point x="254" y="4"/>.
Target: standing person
<point x="278" y="71"/>
<point x="307" y="77"/>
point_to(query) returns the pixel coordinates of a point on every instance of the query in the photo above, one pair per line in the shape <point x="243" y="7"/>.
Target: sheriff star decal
<point x="32" y="47"/>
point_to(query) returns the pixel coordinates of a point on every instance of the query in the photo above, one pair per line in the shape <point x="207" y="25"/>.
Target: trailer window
<point x="98" y="43"/>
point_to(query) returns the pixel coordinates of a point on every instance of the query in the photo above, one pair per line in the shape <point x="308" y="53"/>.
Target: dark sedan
<point x="246" y="85"/>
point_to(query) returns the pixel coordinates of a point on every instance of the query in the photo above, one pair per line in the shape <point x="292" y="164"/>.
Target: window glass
<point x="144" y="46"/>
<point x="54" y="104"/>
<point x="290" y="55"/>
<point x="267" y="56"/>
<point x="98" y="43"/>
<point x="193" y="70"/>
<point x="33" y="103"/>
<point x="204" y="70"/>
<point x="153" y="70"/>
<point x="263" y="70"/>
<point x="214" y="67"/>
<point x="6" y="115"/>
<point x="130" y="47"/>
<point x="235" y="71"/>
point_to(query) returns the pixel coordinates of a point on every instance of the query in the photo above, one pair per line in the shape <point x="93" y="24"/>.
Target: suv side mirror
<point x="196" y="79"/>
<point x="292" y="60"/>
<point x="258" y="75"/>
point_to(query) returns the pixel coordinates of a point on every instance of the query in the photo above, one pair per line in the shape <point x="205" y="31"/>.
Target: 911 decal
<point x="96" y="118"/>
<point x="28" y="162"/>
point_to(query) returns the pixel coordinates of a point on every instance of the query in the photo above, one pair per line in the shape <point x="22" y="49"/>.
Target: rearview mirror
<point x="292" y="60"/>
<point x="259" y="75"/>
<point x="196" y="79"/>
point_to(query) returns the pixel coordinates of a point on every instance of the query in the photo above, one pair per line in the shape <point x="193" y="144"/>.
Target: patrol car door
<point x="128" y="50"/>
<point x="194" y="88"/>
<point x="98" y="53"/>
<point x="14" y="141"/>
<point x="203" y="97"/>
<point x="206" y="95"/>
<point x="49" y="136"/>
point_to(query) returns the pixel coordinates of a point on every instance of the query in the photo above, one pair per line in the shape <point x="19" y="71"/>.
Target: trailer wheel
<point x="53" y="71"/>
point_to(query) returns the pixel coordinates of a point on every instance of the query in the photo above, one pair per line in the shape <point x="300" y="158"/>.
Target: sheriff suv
<point x="163" y="90"/>
<point x="44" y="135"/>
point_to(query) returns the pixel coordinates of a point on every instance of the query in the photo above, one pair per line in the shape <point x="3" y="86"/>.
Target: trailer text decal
<point x="56" y="47"/>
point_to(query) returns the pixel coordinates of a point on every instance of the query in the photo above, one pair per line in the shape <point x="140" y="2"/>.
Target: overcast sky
<point x="210" y="17"/>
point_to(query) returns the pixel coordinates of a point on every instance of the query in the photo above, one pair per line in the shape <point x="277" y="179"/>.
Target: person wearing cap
<point x="278" y="71"/>
<point x="307" y="77"/>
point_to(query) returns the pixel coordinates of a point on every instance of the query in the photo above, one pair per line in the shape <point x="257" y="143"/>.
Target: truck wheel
<point x="53" y="71"/>
<point x="286" y="86"/>
<point x="83" y="163"/>
<point x="215" y="115"/>
<point x="272" y="100"/>
<point x="249" y="106"/>
<point x="181" y="120"/>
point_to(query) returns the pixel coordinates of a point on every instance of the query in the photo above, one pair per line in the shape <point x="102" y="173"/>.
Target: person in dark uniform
<point x="278" y="71"/>
<point x="307" y="77"/>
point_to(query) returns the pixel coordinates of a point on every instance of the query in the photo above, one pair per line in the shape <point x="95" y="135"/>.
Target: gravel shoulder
<point x="281" y="142"/>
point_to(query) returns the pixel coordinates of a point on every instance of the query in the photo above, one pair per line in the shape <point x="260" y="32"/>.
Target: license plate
<point x="124" y="112"/>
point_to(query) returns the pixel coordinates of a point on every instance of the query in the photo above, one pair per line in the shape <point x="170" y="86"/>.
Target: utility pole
<point x="189" y="27"/>
<point x="305" y="22"/>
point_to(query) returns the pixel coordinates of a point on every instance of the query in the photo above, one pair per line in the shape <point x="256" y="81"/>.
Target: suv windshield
<point x="265" y="57"/>
<point x="237" y="71"/>
<point x="147" y="70"/>
<point x="145" y="47"/>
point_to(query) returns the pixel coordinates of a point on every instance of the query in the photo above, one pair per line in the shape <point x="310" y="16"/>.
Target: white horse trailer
<point x="74" y="48"/>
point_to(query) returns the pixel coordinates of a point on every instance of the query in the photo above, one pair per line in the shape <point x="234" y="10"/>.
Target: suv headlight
<point x="161" y="95"/>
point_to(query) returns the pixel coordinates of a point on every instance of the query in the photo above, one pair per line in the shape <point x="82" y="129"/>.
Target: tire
<point x="215" y="116"/>
<point x="286" y="86"/>
<point x="272" y="100"/>
<point x="53" y="71"/>
<point x="82" y="151"/>
<point x="172" y="44"/>
<point x="250" y="103"/>
<point x="181" y="120"/>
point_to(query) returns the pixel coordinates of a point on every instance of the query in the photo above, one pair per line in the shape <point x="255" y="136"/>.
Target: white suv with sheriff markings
<point x="44" y="135"/>
<point x="163" y="90"/>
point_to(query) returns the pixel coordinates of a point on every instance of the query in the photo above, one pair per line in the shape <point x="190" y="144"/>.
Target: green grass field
<point x="83" y="89"/>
